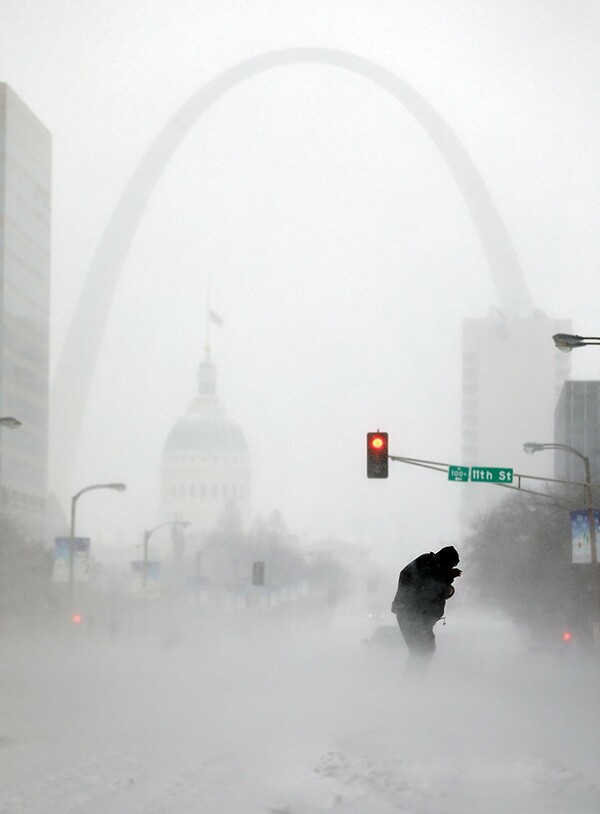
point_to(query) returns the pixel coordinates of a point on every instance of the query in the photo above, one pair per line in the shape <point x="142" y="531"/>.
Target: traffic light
<point x="377" y="454"/>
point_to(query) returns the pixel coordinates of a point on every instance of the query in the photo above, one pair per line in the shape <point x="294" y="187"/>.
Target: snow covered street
<point x="296" y="717"/>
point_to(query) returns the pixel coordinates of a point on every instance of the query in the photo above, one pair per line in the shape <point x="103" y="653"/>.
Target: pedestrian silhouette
<point x="424" y="585"/>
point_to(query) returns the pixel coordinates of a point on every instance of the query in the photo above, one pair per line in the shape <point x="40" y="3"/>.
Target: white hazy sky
<point x="340" y="253"/>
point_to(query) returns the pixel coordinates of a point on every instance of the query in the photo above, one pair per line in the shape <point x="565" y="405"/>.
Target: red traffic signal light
<point x="377" y="454"/>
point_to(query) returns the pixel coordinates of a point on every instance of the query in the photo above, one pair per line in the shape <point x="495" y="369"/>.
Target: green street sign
<point x="480" y="474"/>
<point x="491" y="474"/>
<point x="458" y="473"/>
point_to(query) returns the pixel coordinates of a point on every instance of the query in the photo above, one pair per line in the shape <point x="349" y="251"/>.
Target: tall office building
<point x="205" y="465"/>
<point x="577" y="424"/>
<point x="25" y="178"/>
<point x="512" y="377"/>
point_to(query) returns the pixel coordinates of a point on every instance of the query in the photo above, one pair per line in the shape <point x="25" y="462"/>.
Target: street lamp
<point x="148" y="534"/>
<point x="118" y="487"/>
<point x="566" y="342"/>
<point x="532" y="447"/>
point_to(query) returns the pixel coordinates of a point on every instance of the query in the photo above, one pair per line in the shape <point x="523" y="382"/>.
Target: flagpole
<point x="207" y="315"/>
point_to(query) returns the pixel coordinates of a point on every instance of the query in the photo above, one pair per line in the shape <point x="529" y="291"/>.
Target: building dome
<point x="205" y="461"/>
<point x="200" y="434"/>
<point x="206" y="428"/>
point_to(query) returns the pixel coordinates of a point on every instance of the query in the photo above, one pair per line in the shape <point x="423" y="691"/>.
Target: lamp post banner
<point x="580" y="535"/>
<point x="60" y="572"/>
<point x="81" y="559"/>
<point x="151" y="588"/>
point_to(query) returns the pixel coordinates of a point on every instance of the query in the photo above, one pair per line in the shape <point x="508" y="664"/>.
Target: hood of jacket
<point x="447" y="556"/>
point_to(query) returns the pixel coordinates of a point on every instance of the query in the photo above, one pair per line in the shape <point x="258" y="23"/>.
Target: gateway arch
<point x="75" y="369"/>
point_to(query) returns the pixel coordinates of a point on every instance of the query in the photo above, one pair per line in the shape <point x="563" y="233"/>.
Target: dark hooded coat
<point x="425" y="584"/>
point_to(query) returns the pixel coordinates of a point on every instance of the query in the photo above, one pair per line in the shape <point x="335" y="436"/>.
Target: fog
<point x="341" y="256"/>
<point x="340" y="253"/>
<point x="278" y="712"/>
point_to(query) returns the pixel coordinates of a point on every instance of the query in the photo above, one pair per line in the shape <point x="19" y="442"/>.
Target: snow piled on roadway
<point x="296" y="717"/>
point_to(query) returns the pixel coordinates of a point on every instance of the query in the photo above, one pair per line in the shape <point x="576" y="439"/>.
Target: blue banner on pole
<point x="580" y="535"/>
<point x="147" y="585"/>
<point x="81" y="559"/>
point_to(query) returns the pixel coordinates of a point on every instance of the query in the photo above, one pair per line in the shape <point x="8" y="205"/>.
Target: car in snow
<point x="560" y="641"/>
<point x="383" y="637"/>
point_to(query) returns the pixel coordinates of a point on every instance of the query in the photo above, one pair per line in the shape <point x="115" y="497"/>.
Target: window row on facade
<point x="15" y="499"/>
<point x="228" y="491"/>
<point x="222" y="458"/>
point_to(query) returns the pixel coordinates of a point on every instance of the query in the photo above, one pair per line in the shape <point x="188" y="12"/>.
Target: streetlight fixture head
<point x="10" y="421"/>
<point x="566" y="342"/>
<point x="530" y="447"/>
<point x="120" y="487"/>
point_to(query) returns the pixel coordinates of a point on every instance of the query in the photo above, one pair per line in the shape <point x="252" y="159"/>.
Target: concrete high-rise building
<point x="205" y="466"/>
<point x="577" y="424"/>
<point x="512" y="378"/>
<point x="25" y="183"/>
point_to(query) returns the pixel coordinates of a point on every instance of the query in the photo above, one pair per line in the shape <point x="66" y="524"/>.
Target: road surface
<point x="253" y="715"/>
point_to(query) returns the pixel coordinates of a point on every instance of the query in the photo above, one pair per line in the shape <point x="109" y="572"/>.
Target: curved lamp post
<point x="148" y="534"/>
<point x="566" y="342"/>
<point x="532" y="447"/>
<point x="118" y="487"/>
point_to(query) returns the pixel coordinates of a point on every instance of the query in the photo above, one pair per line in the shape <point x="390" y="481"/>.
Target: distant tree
<point x="518" y="559"/>
<point x="230" y="552"/>
<point x="325" y="569"/>
<point x="25" y="569"/>
<point x="229" y="525"/>
<point x="271" y="542"/>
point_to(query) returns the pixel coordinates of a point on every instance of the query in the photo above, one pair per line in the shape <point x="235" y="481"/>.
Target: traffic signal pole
<point x="518" y="477"/>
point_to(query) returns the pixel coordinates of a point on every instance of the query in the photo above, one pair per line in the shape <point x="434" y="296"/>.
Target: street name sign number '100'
<point x="458" y="473"/>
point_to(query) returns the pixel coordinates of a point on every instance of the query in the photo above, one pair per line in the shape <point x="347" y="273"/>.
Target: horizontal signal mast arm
<point x="440" y="466"/>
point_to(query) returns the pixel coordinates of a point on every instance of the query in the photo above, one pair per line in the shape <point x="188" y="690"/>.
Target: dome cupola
<point x="205" y="462"/>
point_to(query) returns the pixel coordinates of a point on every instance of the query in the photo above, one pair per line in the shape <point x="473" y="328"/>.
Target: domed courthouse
<point x="205" y="465"/>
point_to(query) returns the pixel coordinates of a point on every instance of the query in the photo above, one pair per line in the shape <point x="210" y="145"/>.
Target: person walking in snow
<point x="424" y="585"/>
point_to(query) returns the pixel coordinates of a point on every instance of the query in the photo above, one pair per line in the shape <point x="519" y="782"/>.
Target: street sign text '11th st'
<point x="491" y="474"/>
<point x="480" y="474"/>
